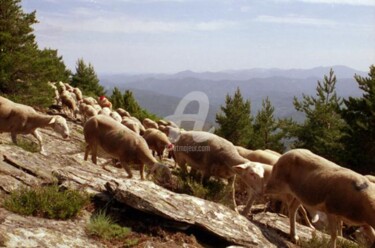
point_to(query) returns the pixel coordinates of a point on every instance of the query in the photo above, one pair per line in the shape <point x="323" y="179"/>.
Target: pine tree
<point x="86" y="79"/>
<point x="267" y="134"/>
<point x="322" y="130"/>
<point x="359" y="139"/>
<point x="235" y="120"/>
<point x="24" y="69"/>
<point x="117" y="99"/>
<point x="132" y="106"/>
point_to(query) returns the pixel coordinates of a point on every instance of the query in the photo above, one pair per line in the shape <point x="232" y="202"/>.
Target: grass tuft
<point x="28" y="145"/>
<point x="323" y="242"/>
<point x="48" y="202"/>
<point x="103" y="226"/>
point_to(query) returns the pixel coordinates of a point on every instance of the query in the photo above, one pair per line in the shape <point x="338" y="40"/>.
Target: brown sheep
<point x="260" y="156"/>
<point x="22" y="119"/>
<point x="342" y="194"/>
<point x="148" y="123"/>
<point x="213" y="156"/>
<point x="120" y="143"/>
<point x="123" y="112"/>
<point x="104" y="102"/>
<point x="157" y="141"/>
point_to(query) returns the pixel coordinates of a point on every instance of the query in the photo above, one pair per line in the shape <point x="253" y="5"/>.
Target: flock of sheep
<point x="298" y="178"/>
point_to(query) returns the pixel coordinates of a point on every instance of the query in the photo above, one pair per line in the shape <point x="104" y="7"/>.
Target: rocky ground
<point x="158" y="217"/>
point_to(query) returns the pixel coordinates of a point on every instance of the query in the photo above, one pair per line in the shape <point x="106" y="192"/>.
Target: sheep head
<point x="60" y="126"/>
<point x="252" y="174"/>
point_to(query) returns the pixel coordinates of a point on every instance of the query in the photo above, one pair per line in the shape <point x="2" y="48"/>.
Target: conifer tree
<point x="235" y="120"/>
<point x="321" y="132"/>
<point x="267" y="134"/>
<point x="359" y="114"/>
<point x="86" y="79"/>
<point x="117" y="99"/>
<point x="24" y="69"/>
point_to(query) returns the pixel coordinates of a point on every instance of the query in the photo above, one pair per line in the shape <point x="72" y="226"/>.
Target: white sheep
<point x="133" y="124"/>
<point x="116" y="116"/>
<point x="56" y="97"/>
<point x="105" y="111"/>
<point x="90" y="100"/>
<point x="244" y="171"/>
<point x="104" y="102"/>
<point x="342" y="194"/>
<point x="119" y="142"/>
<point x="265" y="157"/>
<point x="87" y="111"/>
<point x="123" y="112"/>
<point x="78" y="93"/>
<point x="22" y="119"/>
<point x="213" y="156"/>
<point x="148" y="123"/>
<point x="69" y="104"/>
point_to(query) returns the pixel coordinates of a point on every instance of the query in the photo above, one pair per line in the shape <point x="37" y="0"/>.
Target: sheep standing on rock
<point x="285" y="198"/>
<point x="213" y="156"/>
<point x="157" y="141"/>
<point x="119" y="142"/>
<point x="21" y="119"/>
<point x="342" y="194"/>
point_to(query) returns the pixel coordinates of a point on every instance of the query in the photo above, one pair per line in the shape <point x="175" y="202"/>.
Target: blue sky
<point x="167" y="36"/>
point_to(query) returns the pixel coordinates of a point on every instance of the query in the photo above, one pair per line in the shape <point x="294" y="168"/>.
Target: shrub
<point x="47" y="202"/>
<point x="104" y="227"/>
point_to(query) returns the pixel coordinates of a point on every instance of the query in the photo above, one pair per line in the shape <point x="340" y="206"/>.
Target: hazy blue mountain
<point x="161" y="93"/>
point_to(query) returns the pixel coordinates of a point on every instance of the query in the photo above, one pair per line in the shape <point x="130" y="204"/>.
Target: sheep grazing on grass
<point x="121" y="143"/>
<point x="21" y="119"/>
<point x="342" y="194"/>
<point x="213" y="156"/>
<point x="157" y="141"/>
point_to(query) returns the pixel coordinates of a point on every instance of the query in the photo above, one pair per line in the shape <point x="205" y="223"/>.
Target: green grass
<point x="323" y="242"/>
<point x="103" y="226"/>
<point x="213" y="190"/>
<point x="28" y="145"/>
<point x="48" y="202"/>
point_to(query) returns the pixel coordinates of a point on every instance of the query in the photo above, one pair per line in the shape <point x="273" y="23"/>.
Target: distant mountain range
<point x="161" y="93"/>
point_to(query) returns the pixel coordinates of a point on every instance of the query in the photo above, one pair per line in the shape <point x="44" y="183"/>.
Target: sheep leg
<point x="142" y="171"/>
<point x="127" y="169"/>
<point x="292" y="209"/>
<point x="87" y="152"/>
<point x="304" y="216"/>
<point x="94" y="152"/>
<point x="333" y="225"/>
<point x="250" y="201"/>
<point x="14" y="138"/>
<point x="231" y="183"/>
<point x="37" y="135"/>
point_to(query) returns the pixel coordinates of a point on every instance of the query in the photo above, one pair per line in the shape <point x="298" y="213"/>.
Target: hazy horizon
<point x="169" y="36"/>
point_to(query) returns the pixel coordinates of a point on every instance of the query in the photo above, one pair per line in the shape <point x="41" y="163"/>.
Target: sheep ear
<point x="53" y="120"/>
<point x="241" y="167"/>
